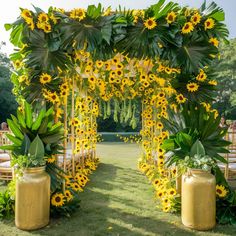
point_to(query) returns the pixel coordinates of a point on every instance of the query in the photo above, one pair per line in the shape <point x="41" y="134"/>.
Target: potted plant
<point x="35" y="138"/>
<point x="198" y="208"/>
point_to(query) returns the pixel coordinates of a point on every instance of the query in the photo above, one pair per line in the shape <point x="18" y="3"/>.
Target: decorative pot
<point x="32" y="206"/>
<point x="198" y="208"/>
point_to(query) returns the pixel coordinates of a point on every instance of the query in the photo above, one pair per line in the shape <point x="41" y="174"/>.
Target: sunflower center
<point x="170" y="18"/>
<point x="219" y="191"/>
<point x="58" y="199"/>
<point x="150" y="22"/>
<point x="186" y="26"/>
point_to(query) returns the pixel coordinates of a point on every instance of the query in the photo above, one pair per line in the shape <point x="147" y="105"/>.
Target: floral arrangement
<point x="91" y="62"/>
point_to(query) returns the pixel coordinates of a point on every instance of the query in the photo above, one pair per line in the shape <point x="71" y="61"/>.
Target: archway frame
<point x="81" y="61"/>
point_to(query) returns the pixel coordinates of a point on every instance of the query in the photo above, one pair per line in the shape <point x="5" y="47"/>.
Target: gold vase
<point x="198" y="208"/>
<point x="32" y="206"/>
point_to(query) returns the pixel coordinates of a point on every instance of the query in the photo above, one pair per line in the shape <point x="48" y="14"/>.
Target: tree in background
<point x="8" y="103"/>
<point x="225" y="69"/>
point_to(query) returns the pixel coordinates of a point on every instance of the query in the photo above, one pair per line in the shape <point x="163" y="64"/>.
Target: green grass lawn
<point x="118" y="201"/>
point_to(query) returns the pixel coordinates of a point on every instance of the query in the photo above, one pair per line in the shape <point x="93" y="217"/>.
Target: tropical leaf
<point x="25" y="145"/>
<point x="38" y="121"/>
<point x="45" y="53"/>
<point x="195" y="53"/>
<point x="28" y="115"/>
<point x="15" y="130"/>
<point x="197" y="149"/>
<point x="16" y="141"/>
<point x="36" y="148"/>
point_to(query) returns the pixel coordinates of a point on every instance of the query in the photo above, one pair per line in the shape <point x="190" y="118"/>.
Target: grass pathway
<point x="118" y="201"/>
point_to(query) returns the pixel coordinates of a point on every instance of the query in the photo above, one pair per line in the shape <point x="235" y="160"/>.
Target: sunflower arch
<point x="83" y="62"/>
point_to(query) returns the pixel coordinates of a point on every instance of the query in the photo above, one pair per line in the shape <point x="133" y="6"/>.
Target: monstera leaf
<point x="45" y="53"/>
<point x="195" y="53"/>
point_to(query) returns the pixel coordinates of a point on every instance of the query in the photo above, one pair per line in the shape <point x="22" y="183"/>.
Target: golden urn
<point x="198" y="208"/>
<point x="32" y="205"/>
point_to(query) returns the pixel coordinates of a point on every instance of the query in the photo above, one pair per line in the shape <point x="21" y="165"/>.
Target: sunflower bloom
<point x="180" y="98"/>
<point x="192" y="87"/>
<point x="209" y="24"/>
<point x="201" y="76"/>
<point x="196" y="18"/>
<point x="58" y="200"/>
<point x="172" y="192"/>
<point x="214" y="41"/>
<point x="78" y="14"/>
<point x="43" y="17"/>
<point x="25" y="14"/>
<point x="221" y="191"/>
<point x="45" y="78"/>
<point x="213" y="82"/>
<point x="171" y="17"/>
<point x="51" y="159"/>
<point x="187" y="28"/>
<point x="68" y="195"/>
<point x="150" y="23"/>
<point x="166" y="208"/>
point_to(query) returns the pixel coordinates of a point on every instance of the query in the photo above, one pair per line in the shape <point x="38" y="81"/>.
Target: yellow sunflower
<point x="76" y="187"/>
<point x="201" y="76"/>
<point x="43" y="17"/>
<point x="53" y="97"/>
<point x="119" y="72"/>
<point x="92" y="79"/>
<point x="68" y="195"/>
<point x="159" y="125"/>
<point x="99" y="64"/>
<point x="58" y="200"/>
<point x="171" y="17"/>
<point x="213" y="82"/>
<point x="209" y="23"/>
<point x="166" y="208"/>
<point x="47" y="28"/>
<point x="150" y="23"/>
<point x="160" y="194"/>
<point x="51" y="159"/>
<point x="196" y="18"/>
<point x="156" y="182"/>
<point x="187" y="28"/>
<point x="192" y="87"/>
<point x="45" y="78"/>
<point x="180" y="98"/>
<point x="18" y="64"/>
<point x="25" y="14"/>
<point x="78" y="13"/>
<point x="214" y="41"/>
<point x="221" y="191"/>
<point x="172" y="192"/>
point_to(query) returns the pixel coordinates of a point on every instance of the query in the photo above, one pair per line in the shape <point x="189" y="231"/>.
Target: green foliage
<point x="192" y="126"/>
<point x="6" y="205"/>
<point x="8" y="104"/>
<point x="226" y="207"/>
<point x="34" y="138"/>
<point x="225" y="70"/>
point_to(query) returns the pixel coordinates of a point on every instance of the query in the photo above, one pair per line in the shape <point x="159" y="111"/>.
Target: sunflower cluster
<point x="66" y="201"/>
<point x="42" y="20"/>
<point x="164" y="186"/>
<point x="130" y="139"/>
<point x="27" y="15"/>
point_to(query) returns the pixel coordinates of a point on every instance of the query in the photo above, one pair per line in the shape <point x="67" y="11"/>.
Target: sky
<point x="10" y="10"/>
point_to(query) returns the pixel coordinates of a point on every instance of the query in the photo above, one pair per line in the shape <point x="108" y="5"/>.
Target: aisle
<point x="118" y="201"/>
